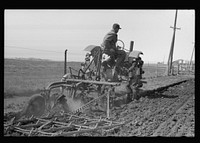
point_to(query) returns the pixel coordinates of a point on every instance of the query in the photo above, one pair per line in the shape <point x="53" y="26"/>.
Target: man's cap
<point x="115" y="25"/>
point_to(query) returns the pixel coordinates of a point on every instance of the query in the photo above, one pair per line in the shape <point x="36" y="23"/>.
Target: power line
<point x="17" y="47"/>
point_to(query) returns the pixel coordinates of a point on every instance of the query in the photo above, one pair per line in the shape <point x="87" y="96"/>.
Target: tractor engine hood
<point x="134" y="54"/>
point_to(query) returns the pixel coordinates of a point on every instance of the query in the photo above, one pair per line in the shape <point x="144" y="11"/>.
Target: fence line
<point x="159" y="70"/>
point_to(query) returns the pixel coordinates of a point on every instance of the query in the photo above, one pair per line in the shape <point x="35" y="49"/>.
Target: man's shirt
<point x="110" y="40"/>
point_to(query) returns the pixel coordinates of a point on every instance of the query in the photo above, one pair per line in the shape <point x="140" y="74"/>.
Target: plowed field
<point x="168" y="110"/>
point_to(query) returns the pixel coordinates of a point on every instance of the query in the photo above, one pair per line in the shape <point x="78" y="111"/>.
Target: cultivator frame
<point x="67" y="124"/>
<point x="104" y="89"/>
<point x="64" y="125"/>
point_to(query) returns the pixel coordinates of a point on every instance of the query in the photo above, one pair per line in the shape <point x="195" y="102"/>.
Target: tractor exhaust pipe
<point x="131" y="46"/>
<point x="65" y="64"/>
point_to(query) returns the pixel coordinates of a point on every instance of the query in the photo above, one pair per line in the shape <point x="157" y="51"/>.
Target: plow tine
<point x="96" y="125"/>
<point x="110" y="123"/>
<point x="44" y="125"/>
<point x="77" y="84"/>
<point x="85" y="122"/>
<point x="69" y="124"/>
<point x="37" y="122"/>
<point x="24" y="131"/>
<point x="12" y="120"/>
<point x="79" y="128"/>
<point x="30" y="132"/>
<point x="31" y="117"/>
<point x="52" y="126"/>
<point x="70" y="117"/>
<point x="18" y="124"/>
<point x="88" y="130"/>
<point x="47" y="115"/>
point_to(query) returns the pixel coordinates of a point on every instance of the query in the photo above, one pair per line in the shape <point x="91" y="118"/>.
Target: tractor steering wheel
<point x="120" y="47"/>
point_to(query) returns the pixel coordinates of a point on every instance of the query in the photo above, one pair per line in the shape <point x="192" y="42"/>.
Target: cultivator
<point x="69" y="123"/>
<point x="63" y="125"/>
<point x="78" y="92"/>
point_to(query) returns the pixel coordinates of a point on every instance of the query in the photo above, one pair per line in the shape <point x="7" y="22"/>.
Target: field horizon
<point x="27" y="76"/>
<point x="39" y="59"/>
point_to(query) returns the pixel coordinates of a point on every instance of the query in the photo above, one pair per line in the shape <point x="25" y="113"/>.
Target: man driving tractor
<point x="109" y="48"/>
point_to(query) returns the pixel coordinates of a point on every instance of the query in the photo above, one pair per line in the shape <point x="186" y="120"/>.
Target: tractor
<point x="97" y="68"/>
<point x="95" y="78"/>
<point x="93" y="86"/>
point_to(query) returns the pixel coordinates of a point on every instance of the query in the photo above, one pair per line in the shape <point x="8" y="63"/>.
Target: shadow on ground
<point x="155" y="94"/>
<point x="141" y="93"/>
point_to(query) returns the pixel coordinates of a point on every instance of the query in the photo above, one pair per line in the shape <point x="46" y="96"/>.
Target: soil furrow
<point x="165" y="112"/>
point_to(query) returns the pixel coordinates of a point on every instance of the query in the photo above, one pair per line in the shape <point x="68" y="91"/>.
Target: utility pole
<point x="192" y="57"/>
<point x="170" y="59"/>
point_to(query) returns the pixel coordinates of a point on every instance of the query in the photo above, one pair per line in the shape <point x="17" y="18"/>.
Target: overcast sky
<point x="47" y="33"/>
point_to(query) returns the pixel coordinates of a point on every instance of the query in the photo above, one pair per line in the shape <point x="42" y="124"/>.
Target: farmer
<point x="109" y="48"/>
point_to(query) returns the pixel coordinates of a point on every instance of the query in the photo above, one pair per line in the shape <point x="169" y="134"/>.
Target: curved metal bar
<point x="57" y="84"/>
<point x="61" y="85"/>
